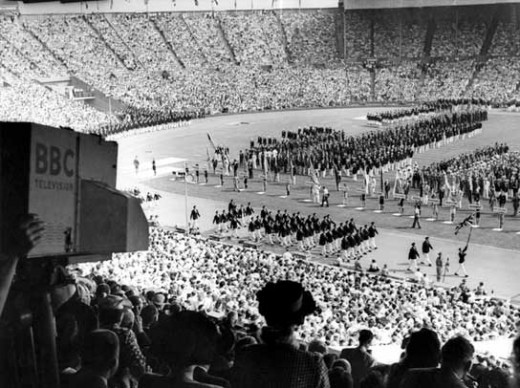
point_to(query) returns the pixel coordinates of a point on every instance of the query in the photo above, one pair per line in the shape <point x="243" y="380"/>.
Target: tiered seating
<point x="397" y="83"/>
<point x="140" y="60"/>
<point x="398" y="34"/>
<point x="498" y="80"/>
<point x="458" y="34"/>
<point x="146" y="42"/>
<point x="206" y="31"/>
<point x="84" y="54"/>
<point x="357" y="35"/>
<point x="447" y="79"/>
<point x="255" y="38"/>
<point x="28" y="51"/>
<point x="28" y="101"/>
<point x="113" y="39"/>
<point x="359" y="83"/>
<point x="506" y="40"/>
<point x="13" y="59"/>
<point x="178" y="34"/>
<point x="311" y="36"/>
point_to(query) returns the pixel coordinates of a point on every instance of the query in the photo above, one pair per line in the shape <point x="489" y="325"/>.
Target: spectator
<point x="457" y="355"/>
<point x="515" y="358"/>
<point x="374" y="379"/>
<point x="422" y="351"/>
<point x="318" y="347"/>
<point x="340" y="375"/>
<point x="339" y="378"/>
<point x="329" y="359"/>
<point x="132" y="363"/>
<point x="373" y="266"/>
<point x="99" y="360"/>
<point x="360" y="357"/>
<point x="185" y="341"/>
<point x="284" y="305"/>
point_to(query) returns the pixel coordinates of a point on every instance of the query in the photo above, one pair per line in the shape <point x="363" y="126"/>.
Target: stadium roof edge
<point x="389" y="4"/>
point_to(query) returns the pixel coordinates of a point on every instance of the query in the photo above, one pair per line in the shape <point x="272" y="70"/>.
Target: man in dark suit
<point x="360" y="358"/>
<point x="457" y="355"/>
<point x="413" y="255"/>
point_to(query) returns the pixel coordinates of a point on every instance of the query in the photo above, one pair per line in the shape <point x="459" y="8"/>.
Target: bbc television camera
<point x="68" y="180"/>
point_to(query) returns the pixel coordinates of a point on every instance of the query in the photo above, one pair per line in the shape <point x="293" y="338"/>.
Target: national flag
<point x="467" y="221"/>
<point x="314" y="176"/>
<point x="211" y="142"/>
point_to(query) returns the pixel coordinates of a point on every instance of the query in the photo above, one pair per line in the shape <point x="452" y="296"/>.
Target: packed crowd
<point x="215" y="63"/>
<point x="397" y="83"/>
<point x="498" y="80"/>
<point x="399" y="36"/>
<point x="29" y="101"/>
<point x="459" y="35"/>
<point x="182" y="273"/>
<point x="326" y="150"/>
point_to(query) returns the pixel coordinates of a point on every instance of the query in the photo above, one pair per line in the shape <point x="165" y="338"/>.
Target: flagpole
<point x="469" y="236"/>
<point x="186" y="197"/>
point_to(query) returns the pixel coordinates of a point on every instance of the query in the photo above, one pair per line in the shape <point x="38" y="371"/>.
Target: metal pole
<point x="186" y="196"/>
<point x="110" y="112"/>
<point x="46" y="332"/>
<point x="382" y="179"/>
<point x="469" y="235"/>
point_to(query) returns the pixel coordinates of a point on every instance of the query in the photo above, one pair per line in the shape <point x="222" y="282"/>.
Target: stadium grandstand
<point x="259" y="193"/>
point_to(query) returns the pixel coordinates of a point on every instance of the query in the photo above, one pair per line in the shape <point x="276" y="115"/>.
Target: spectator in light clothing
<point x="325" y="197"/>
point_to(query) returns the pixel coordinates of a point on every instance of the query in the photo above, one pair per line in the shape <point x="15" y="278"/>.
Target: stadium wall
<point x="381" y="4"/>
<point x="140" y="6"/>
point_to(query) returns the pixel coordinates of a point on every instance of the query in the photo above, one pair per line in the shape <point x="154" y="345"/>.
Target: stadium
<point x="259" y="193"/>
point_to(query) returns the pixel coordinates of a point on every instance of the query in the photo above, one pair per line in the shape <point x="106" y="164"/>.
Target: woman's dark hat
<point x="285" y="303"/>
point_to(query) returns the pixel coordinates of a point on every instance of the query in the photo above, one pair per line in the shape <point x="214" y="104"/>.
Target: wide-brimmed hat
<point x="285" y="303"/>
<point x="159" y="299"/>
<point x="114" y="302"/>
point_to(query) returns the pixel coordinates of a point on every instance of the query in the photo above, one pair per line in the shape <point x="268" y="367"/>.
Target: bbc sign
<point x="41" y="170"/>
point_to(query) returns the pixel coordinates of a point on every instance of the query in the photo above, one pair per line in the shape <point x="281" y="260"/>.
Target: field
<point x="493" y="256"/>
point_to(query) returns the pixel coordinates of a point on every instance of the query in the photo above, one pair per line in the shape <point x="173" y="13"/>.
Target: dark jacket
<point x="360" y="360"/>
<point x="413" y="254"/>
<point x="431" y="378"/>
<point x="278" y="366"/>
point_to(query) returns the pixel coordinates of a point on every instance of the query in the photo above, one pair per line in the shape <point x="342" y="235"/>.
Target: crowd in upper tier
<point x="162" y="64"/>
